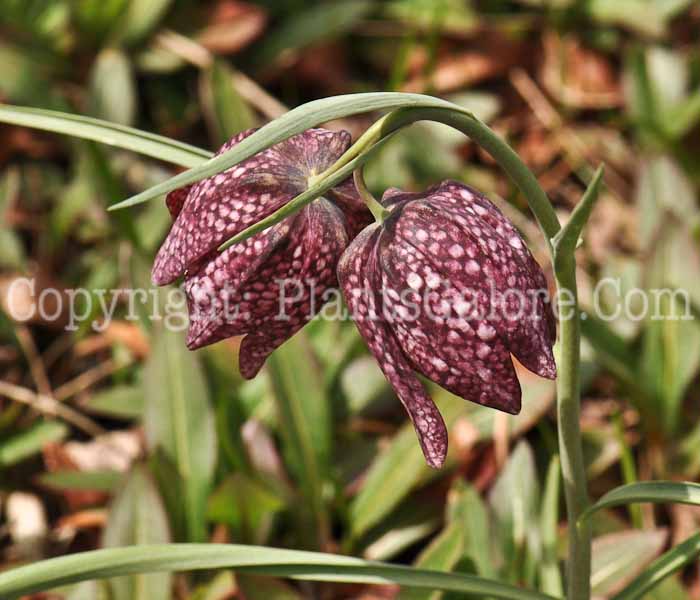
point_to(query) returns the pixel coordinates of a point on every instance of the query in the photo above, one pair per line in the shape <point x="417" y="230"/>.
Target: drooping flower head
<point x="268" y="286"/>
<point x="447" y="288"/>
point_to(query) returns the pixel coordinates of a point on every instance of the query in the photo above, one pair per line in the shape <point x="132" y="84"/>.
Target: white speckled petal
<point x="267" y="287"/>
<point x="311" y="273"/>
<point x="218" y="289"/>
<point x="220" y="206"/>
<point x="527" y="325"/>
<point x="461" y="353"/>
<point x="358" y="279"/>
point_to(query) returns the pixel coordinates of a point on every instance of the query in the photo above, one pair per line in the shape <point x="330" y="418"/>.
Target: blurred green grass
<point x="315" y="452"/>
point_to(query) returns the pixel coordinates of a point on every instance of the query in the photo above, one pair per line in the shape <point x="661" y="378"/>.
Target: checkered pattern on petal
<point x="220" y="206"/>
<point x="358" y="275"/>
<point x="434" y="322"/>
<point x="269" y="286"/>
<point x="524" y="318"/>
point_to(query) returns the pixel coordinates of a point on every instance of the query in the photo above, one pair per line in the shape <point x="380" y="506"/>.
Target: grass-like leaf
<point x="97" y="564"/>
<point x="565" y="241"/>
<point x="292" y="123"/>
<point x="112" y="134"/>
<point x="664" y="566"/>
<point x="657" y="492"/>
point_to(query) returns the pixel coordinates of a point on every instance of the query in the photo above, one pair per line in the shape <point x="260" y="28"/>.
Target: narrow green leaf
<point x="685" y="116"/>
<point x="295" y="121"/>
<point x="12" y="255"/>
<point x="120" y="401"/>
<point x="565" y="241"/>
<point x="105" y="481"/>
<point x="104" y="132"/>
<point x="515" y="495"/>
<point x="178" y="418"/>
<point x="657" y="492"/>
<point x="471" y="513"/>
<point x="221" y="587"/>
<point x="304" y="422"/>
<point x="137" y="516"/>
<point x="641" y="16"/>
<point x="550" y="574"/>
<point x="664" y="566"/>
<point x="442" y="554"/>
<point x="619" y="557"/>
<point x="312" y="24"/>
<point x="395" y="473"/>
<point x="612" y="351"/>
<point x="226" y="112"/>
<point x="112" y="87"/>
<point x="297" y="564"/>
<point x="140" y="18"/>
<point x="29" y="442"/>
<point x="247" y="505"/>
<point x="403" y="528"/>
<point x="95" y="17"/>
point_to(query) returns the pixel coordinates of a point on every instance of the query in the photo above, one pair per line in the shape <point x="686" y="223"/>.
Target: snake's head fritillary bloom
<point x="447" y="288"/>
<point x="270" y="285"/>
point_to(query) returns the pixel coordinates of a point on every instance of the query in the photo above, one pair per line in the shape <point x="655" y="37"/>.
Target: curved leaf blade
<point x="295" y="121"/>
<point x="314" y="566"/>
<point x="137" y="516"/>
<point x="112" y="134"/>
<point x="178" y="418"/>
<point x="657" y="492"/>
<point x="664" y="566"/>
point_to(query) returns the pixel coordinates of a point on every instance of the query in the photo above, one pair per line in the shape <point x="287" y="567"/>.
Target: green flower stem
<point x="569" y="395"/>
<point x="378" y="211"/>
<point x="568" y="419"/>
<point x="461" y="120"/>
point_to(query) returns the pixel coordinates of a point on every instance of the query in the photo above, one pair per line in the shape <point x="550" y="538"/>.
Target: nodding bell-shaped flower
<point x="270" y="285"/>
<point x="447" y="288"/>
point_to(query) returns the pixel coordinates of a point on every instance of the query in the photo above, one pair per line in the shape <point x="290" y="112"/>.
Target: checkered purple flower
<point x="238" y="291"/>
<point x="447" y="288"/>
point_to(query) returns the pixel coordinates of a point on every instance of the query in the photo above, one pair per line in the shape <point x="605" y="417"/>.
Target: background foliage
<point x="122" y="436"/>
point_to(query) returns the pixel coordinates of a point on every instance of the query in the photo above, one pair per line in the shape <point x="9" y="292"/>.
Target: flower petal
<point x="269" y="286"/>
<point x="175" y="200"/>
<point x="310" y="274"/>
<point x="355" y="211"/>
<point x="216" y="288"/>
<point x="220" y="206"/>
<point x="357" y="273"/>
<point x="257" y="346"/>
<point x="434" y="325"/>
<point x="478" y="246"/>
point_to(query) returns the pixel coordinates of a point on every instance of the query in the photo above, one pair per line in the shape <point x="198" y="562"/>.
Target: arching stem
<point x="568" y="363"/>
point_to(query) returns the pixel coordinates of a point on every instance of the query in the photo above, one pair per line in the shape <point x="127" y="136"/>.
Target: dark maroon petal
<point x="357" y="215"/>
<point x="175" y="200"/>
<point x="523" y="320"/>
<point x="216" y="289"/>
<point x="310" y="274"/>
<point x="221" y="206"/>
<point x="433" y="324"/>
<point x="239" y="291"/>
<point x="357" y="276"/>
<point x="257" y="346"/>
